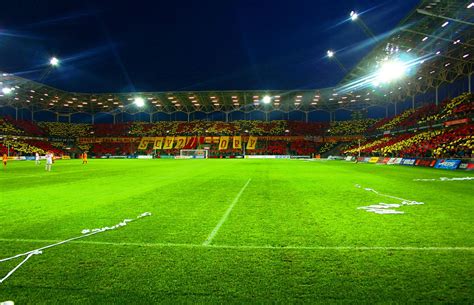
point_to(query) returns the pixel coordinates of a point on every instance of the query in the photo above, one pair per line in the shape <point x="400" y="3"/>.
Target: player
<point x="84" y="158"/>
<point x="37" y="158"/>
<point x="49" y="161"/>
<point x="4" y="159"/>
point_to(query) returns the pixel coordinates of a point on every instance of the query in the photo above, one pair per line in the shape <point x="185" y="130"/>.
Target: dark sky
<point x="119" y="46"/>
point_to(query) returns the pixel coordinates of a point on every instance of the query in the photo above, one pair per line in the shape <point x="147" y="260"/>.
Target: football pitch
<point x="235" y="231"/>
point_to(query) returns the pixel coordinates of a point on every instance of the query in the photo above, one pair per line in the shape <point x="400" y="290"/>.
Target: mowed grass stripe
<point x="245" y="247"/>
<point x="226" y="215"/>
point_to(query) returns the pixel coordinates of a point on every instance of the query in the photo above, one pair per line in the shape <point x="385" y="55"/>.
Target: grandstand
<point x="310" y="228"/>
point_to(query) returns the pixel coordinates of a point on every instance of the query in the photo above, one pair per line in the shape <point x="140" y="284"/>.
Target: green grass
<point x="294" y="235"/>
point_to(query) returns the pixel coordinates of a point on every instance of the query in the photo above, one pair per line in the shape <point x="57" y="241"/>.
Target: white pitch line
<point x="226" y="215"/>
<point x="247" y="247"/>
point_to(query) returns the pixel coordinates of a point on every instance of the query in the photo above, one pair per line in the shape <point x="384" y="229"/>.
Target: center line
<point x="226" y="215"/>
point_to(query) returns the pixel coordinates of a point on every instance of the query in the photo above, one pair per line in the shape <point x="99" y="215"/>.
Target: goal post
<point x="194" y="153"/>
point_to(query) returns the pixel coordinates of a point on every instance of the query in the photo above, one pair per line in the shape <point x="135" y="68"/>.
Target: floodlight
<point x="330" y="53"/>
<point x="54" y="61"/>
<point x="354" y="16"/>
<point x="389" y="71"/>
<point x="267" y="99"/>
<point x="6" y="90"/>
<point x="392" y="70"/>
<point x="139" y="101"/>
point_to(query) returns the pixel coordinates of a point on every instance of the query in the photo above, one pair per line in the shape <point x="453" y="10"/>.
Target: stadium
<point x="359" y="192"/>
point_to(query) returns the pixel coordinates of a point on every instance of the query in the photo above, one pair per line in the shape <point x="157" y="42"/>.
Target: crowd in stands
<point x="6" y="128"/>
<point x="66" y="130"/>
<point x="404" y="147"/>
<point x="440" y="143"/>
<point x="396" y="121"/>
<point x="28" y="147"/>
<point x="27" y="127"/>
<point x="460" y="106"/>
<point x="457" y="142"/>
<point x="353" y="127"/>
<point x="304" y="147"/>
<point x="116" y="149"/>
<point x="327" y="147"/>
<point x="404" y="139"/>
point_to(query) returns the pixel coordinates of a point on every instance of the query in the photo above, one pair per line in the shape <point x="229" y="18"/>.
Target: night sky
<point x="121" y="46"/>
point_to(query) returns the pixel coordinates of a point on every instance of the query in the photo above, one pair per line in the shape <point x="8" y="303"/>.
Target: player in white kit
<point x="37" y="159"/>
<point x="49" y="161"/>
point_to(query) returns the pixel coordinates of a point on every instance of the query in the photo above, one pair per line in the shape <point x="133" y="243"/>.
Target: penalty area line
<point x="226" y="215"/>
<point x="247" y="247"/>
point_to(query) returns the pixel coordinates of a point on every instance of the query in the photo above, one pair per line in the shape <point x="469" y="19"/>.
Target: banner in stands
<point x="144" y="157"/>
<point x="394" y="161"/>
<point x="252" y="143"/>
<point x="467" y="165"/>
<point x="374" y="160"/>
<point x="12" y="158"/>
<point x="456" y="122"/>
<point x="168" y="143"/>
<point x="267" y="157"/>
<point x="294" y="157"/>
<point x="408" y="161"/>
<point x="212" y="140"/>
<point x="224" y="143"/>
<point x="447" y="163"/>
<point x="165" y="157"/>
<point x="191" y="143"/>
<point x="180" y="142"/>
<point x="108" y="140"/>
<point x="425" y="162"/>
<point x="143" y="144"/>
<point x="158" y="143"/>
<point x="237" y="142"/>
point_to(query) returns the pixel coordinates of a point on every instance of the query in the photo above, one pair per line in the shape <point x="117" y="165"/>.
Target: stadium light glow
<point x="139" y="101"/>
<point x="330" y="53"/>
<point x="389" y="71"/>
<point x="54" y="62"/>
<point x="6" y="90"/>
<point x="354" y="16"/>
<point x="266" y="99"/>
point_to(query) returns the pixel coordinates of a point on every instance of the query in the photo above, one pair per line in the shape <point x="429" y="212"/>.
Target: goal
<point x="193" y="153"/>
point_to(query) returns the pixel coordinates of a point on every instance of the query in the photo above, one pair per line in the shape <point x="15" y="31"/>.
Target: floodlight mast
<point x="356" y="18"/>
<point x="332" y="56"/>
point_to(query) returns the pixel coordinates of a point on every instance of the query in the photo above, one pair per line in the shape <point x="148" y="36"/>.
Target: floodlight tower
<point x="356" y="18"/>
<point x="266" y="99"/>
<point x="139" y="102"/>
<point x="332" y="56"/>
<point x="54" y="62"/>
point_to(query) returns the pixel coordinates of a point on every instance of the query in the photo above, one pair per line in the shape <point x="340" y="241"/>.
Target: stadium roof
<point x="439" y="37"/>
<point x="436" y="37"/>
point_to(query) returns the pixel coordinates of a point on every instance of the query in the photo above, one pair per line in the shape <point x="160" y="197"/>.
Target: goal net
<point x="193" y="153"/>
